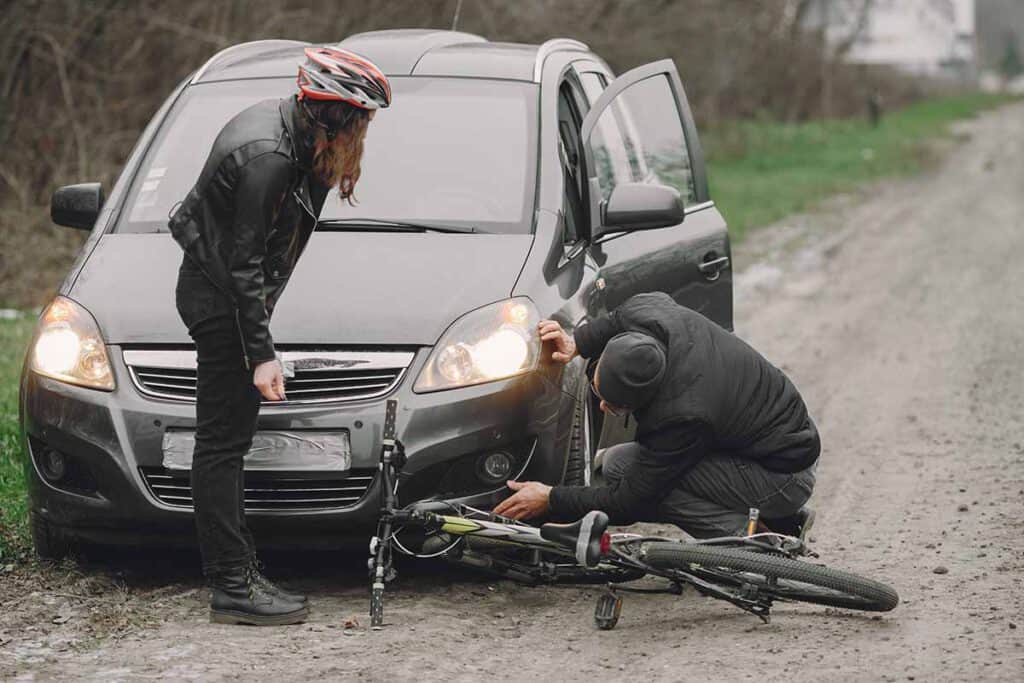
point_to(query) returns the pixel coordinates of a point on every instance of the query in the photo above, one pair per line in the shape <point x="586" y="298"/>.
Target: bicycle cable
<point x="406" y="551"/>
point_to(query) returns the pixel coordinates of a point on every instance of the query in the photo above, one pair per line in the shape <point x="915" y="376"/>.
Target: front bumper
<point x="116" y="436"/>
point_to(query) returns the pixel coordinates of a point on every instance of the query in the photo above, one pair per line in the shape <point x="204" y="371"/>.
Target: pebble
<point x="962" y="507"/>
<point x="941" y="569"/>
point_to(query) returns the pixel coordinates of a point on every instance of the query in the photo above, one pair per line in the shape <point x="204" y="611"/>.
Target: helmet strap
<point x="315" y="121"/>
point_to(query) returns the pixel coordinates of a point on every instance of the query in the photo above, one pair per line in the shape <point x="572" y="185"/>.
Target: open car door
<point x="640" y="130"/>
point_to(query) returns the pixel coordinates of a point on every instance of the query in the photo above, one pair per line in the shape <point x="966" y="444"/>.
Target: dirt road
<point x="899" y="313"/>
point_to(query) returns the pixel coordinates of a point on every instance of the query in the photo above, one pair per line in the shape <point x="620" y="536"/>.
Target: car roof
<point x="398" y="52"/>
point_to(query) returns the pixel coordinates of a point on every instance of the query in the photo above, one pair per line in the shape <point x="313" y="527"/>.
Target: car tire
<point x="579" y="466"/>
<point x="50" y="542"/>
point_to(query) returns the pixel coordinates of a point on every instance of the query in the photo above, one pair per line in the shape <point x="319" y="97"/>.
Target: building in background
<point x="933" y="38"/>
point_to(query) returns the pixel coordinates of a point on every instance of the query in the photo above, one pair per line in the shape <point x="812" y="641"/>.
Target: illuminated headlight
<point x="490" y="343"/>
<point x="68" y="346"/>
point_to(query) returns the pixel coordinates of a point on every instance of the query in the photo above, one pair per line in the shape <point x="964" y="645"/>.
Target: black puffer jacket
<point x="237" y="222"/>
<point x="718" y="395"/>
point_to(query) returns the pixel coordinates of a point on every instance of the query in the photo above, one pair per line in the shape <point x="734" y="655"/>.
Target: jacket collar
<point x="302" y="141"/>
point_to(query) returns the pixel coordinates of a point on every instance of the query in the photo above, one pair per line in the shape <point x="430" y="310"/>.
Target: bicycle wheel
<point x="777" y="576"/>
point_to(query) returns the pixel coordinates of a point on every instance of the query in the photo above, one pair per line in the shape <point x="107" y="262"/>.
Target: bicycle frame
<point x="510" y="534"/>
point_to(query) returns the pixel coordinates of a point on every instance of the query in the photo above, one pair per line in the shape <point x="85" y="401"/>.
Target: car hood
<point x="348" y="288"/>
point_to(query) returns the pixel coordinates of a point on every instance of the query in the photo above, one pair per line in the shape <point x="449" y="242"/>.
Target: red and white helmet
<point x="333" y="74"/>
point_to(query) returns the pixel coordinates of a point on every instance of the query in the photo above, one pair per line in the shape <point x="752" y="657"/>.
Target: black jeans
<point x="227" y="406"/>
<point x="714" y="497"/>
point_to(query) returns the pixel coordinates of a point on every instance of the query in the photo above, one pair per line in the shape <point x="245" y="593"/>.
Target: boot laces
<point x="257" y="589"/>
<point x="260" y="579"/>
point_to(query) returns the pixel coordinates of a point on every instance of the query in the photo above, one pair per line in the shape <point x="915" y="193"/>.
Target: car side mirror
<point x="640" y="206"/>
<point x="77" y="206"/>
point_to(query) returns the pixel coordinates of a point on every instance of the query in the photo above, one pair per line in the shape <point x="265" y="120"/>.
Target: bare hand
<point x="565" y="345"/>
<point x="269" y="379"/>
<point x="529" y="500"/>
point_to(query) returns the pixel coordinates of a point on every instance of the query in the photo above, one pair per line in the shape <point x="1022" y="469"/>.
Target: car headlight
<point x="494" y="342"/>
<point x="68" y="346"/>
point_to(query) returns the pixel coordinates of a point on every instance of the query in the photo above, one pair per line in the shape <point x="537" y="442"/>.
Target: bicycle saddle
<point x="584" y="536"/>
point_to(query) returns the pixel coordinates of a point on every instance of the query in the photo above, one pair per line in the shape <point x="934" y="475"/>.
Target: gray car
<point x="559" y="190"/>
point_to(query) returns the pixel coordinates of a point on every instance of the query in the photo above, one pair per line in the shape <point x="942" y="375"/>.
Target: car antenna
<point x="455" y="17"/>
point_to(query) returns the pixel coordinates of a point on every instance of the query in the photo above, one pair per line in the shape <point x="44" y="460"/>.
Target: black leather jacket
<point x="237" y="221"/>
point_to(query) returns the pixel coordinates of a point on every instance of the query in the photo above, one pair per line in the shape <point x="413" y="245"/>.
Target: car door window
<point x="569" y="119"/>
<point x="594" y="84"/>
<point x="608" y="144"/>
<point x="639" y="136"/>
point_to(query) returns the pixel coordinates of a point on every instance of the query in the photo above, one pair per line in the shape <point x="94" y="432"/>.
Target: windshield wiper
<point x="397" y="226"/>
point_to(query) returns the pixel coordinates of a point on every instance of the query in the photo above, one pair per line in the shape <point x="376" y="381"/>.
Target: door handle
<point x="714" y="267"/>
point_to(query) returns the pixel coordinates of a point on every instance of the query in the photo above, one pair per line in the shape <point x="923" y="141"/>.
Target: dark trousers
<point x="227" y="406"/>
<point x="714" y="497"/>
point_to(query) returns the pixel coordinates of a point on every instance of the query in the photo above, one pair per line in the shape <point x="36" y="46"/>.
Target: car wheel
<point x="50" y="543"/>
<point x="580" y="465"/>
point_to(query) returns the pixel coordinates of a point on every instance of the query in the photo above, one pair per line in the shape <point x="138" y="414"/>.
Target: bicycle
<point x="750" y="572"/>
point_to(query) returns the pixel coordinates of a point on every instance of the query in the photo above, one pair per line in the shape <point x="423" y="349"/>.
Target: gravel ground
<point x="899" y="312"/>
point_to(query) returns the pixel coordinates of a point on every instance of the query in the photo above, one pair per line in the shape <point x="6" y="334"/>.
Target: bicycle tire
<point x="577" y="461"/>
<point x="796" y="580"/>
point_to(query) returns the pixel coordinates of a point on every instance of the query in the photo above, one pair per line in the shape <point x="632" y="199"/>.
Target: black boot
<point x="256" y="568"/>
<point x="237" y="599"/>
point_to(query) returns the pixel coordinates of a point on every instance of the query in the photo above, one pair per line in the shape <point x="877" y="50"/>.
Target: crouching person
<point x="719" y="428"/>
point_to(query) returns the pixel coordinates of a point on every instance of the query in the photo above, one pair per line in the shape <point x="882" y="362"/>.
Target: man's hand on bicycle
<point x="565" y="345"/>
<point x="529" y="500"/>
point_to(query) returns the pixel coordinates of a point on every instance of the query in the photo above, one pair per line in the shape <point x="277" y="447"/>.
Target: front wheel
<point x="50" y="542"/>
<point x="580" y="465"/>
<point x="774" y="576"/>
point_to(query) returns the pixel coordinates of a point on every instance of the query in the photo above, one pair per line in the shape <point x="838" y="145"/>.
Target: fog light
<point x="494" y="468"/>
<point x="53" y="465"/>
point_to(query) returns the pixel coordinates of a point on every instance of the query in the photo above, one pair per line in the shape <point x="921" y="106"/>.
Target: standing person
<point x="242" y="227"/>
<point x="719" y="429"/>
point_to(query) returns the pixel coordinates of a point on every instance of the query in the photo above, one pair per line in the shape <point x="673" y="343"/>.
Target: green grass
<point x="760" y="172"/>
<point x="14" y="537"/>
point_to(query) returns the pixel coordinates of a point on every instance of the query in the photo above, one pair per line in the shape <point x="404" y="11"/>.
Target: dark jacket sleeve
<point x="260" y="184"/>
<point x="638" y="313"/>
<point x="648" y="478"/>
<point x="592" y="336"/>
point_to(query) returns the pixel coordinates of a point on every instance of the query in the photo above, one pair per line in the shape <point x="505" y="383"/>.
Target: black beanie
<point x="631" y="369"/>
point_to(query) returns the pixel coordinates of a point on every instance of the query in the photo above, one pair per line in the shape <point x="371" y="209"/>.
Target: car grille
<point x="269" y="490"/>
<point x="320" y="376"/>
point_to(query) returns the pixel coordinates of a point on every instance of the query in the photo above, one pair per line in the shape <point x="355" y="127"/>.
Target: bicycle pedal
<point x="607" y="611"/>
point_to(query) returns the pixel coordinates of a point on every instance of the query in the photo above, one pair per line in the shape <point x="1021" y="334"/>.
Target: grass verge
<point x="14" y="537"/>
<point x="760" y="172"/>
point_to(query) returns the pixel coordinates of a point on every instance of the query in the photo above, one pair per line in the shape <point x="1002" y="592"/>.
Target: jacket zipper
<point x="306" y="208"/>
<point x="241" y="337"/>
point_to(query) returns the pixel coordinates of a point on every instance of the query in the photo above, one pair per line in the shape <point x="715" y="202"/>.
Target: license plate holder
<point x="274" y="450"/>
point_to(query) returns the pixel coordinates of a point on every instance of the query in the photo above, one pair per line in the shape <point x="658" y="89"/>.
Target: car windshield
<point x="449" y="151"/>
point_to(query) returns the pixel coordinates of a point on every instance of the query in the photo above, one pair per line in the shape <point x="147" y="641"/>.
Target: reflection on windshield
<point x="453" y="151"/>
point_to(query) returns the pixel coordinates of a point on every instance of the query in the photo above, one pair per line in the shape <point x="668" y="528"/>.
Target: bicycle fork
<point x="391" y="458"/>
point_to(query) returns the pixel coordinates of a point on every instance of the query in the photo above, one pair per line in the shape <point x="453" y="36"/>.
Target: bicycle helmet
<point x="332" y="74"/>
